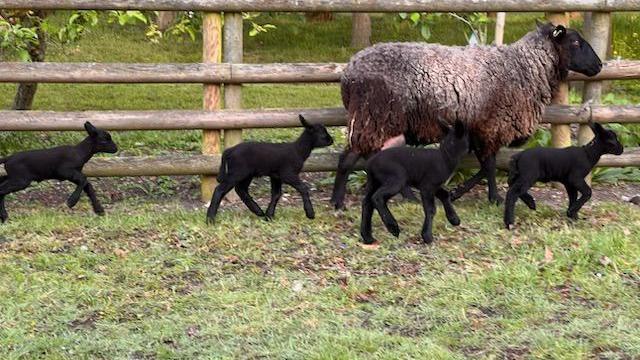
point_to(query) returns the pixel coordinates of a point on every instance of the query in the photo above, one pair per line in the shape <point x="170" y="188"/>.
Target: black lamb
<point x="281" y="162"/>
<point x="568" y="166"/>
<point x="391" y="170"/>
<point x="59" y="163"/>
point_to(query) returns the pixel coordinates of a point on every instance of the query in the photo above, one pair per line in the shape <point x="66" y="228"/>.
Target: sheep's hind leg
<point x="221" y="190"/>
<point x="380" y="198"/>
<point x="346" y="164"/>
<point x="242" y="189"/>
<point x="487" y="170"/>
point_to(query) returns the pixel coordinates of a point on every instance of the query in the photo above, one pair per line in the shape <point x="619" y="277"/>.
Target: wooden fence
<point x="222" y="64"/>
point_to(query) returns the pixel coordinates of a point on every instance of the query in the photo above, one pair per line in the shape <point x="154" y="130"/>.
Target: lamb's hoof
<point x="508" y="226"/>
<point x="572" y="216"/>
<point x="454" y="220"/>
<point x="211" y="220"/>
<point x="267" y="218"/>
<point x="3" y="219"/>
<point x="311" y="216"/>
<point x="394" y="229"/>
<point x="455" y="195"/>
<point x="338" y="205"/>
<point x="427" y="238"/>
<point x="496" y="200"/>
<point x="100" y="212"/>
<point x="71" y="203"/>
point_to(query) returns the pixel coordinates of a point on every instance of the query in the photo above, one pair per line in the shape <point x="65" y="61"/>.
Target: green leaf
<point x="415" y="17"/>
<point x="425" y="31"/>
<point x="403" y="15"/>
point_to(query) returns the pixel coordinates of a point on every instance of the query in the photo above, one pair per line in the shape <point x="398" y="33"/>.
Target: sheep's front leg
<point x="585" y="190"/>
<point x="95" y="203"/>
<point x="276" y="192"/>
<point x="428" y="204"/>
<point x="242" y="189"/>
<point x="346" y="164"/>
<point x="488" y="170"/>
<point x="296" y="183"/>
<point x="449" y="210"/>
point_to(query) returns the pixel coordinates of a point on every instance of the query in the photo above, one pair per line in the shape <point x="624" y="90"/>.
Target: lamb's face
<point x="608" y="138"/>
<point x="581" y="57"/>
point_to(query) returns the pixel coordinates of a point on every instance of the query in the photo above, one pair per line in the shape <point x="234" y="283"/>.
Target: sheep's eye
<point x="576" y="43"/>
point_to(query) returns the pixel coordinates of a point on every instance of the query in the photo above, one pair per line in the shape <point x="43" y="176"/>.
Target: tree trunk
<point x="319" y="16"/>
<point x="165" y="19"/>
<point x="27" y="91"/>
<point x="360" y="30"/>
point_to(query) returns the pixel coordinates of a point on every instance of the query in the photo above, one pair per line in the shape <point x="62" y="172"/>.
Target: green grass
<point x="152" y="280"/>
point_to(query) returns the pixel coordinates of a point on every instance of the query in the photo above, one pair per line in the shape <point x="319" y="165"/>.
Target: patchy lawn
<point x="151" y="280"/>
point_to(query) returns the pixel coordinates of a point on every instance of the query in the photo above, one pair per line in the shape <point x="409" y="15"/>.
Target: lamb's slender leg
<point x="80" y="180"/>
<point x="449" y="210"/>
<point x="380" y="198"/>
<point x="95" y="203"/>
<point x="396" y="141"/>
<point x="528" y="200"/>
<point x="276" y="192"/>
<point x="7" y="187"/>
<point x="518" y="188"/>
<point x="428" y="204"/>
<point x="585" y="190"/>
<point x="346" y="163"/>
<point x="221" y="190"/>
<point x="367" y="213"/>
<point x="572" y="193"/>
<point x="303" y="189"/>
<point x="242" y="189"/>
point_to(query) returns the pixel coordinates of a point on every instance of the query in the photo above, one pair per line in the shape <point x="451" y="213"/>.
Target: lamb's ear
<point x="91" y="130"/>
<point x="444" y="126"/>
<point x="596" y="127"/>
<point x="559" y="32"/>
<point x="460" y="128"/>
<point x="304" y="122"/>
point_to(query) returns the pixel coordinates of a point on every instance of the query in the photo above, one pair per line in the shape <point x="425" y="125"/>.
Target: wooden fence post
<point x="560" y="134"/>
<point x="211" y="52"/>
<point x="499" y="33"/>
<point x="232" y="53"/>
<point x="598" y="37"/>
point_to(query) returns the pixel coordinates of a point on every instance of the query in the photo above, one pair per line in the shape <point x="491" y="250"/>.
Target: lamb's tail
<point x="513" y="169"/>
<point x="222" y="173"/>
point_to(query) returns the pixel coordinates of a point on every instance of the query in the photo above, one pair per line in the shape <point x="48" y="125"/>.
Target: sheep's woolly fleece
<point x="402" y="88"/>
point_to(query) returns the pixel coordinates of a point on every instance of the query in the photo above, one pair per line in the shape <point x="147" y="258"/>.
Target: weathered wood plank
<point x="247" y="119"/>
<point x="192" y="164"/>
<point x="332" y="5"/>
<point x="221" y="73"/>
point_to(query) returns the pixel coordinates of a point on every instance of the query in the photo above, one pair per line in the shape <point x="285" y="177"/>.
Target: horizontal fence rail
<point x="46" y="72"/>
<point x="331" y="5"/>
<point x="188" y="164"/>
<point x="251" y="119"/>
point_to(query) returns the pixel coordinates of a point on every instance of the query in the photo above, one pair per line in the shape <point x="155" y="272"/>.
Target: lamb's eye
<point x="576" y="43"/>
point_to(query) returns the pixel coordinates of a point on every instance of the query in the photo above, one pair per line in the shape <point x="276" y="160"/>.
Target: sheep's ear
<point x="91" y="130"/>
<point x="444" y="126"/>
<point x="304" y="122"/>
<point x="559" y="32"/>
<point x="459" y="128"/>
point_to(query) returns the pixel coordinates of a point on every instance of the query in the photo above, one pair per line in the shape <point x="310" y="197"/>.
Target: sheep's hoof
<point x="427" y="238"/>
<point x="337" y="204"/>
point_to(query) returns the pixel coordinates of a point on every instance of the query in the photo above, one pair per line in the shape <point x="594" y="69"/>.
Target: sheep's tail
<point x="224" y="169"/>
<point x="513" y="169"/>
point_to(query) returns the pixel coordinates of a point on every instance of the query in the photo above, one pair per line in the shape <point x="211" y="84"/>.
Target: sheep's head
<point x="575" y="52"/>
<point x="319" y="134"/>
<point x="101" y="139"/>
